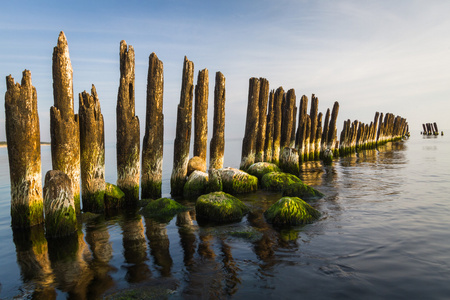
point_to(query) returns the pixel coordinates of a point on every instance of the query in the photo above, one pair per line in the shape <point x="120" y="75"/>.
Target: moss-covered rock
<point x="214" y="181"/>
<point x="278" y="181"/>
<point x="196" y="185"/>
<point x="259" y="169"/>
<point x="235" y="181"/>
<point x="220" y="207"/>
<point x="114" y="196"/>
<point x="163" y="209"/>
<point x="302" y="191"/>
<point x="291" y="211"/>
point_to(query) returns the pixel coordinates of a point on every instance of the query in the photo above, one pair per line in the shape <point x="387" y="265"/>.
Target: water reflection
<point x="135" y="248"/>
<point x="159" y="245"/>
<point x="188" y="240"/>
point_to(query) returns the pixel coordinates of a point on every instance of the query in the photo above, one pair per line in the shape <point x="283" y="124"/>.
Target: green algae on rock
<point x="114" y="196"/>
<point x="259" y="169"/>
<point x="301" y="190"/>
<point x="235" y="181"/>
<point x="220" y="207"/>
<point x="278" y="181"/>
<point x="291" y="211"/>
<point x="196" y="185"/>
<point x="162" y="209"/>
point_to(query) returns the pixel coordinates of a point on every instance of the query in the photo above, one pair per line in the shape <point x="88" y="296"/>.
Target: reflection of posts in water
<point x="68" y="257"/>
<point x="97" y="237"/>
<point x="159" y="245"/>
<point x="32" y="258"/>
<point x="187" y="236"/>
<point x="135" y="249"/>
<point x="230" y="269"/>
<point x="311" y="173"/>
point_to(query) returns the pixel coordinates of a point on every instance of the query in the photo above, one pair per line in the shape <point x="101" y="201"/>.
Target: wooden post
<point x="183" y="133"/>
<point x="262" y="104"/>
<point x="332" y="130"/>
<point x="201" y="114"/>
<point x="217" y="144"/>
<point x="318" y="139"/>
<point x="92" y="146"/>
<point x="301" y="131"/>
<point x="59" y="207"/>
<point x="325" y="131"/>
<point x="64" y="124"/>
<point x="152" y="148"/>
<point x="128" y="132"/>
<point x="277" y="118"/>
<point x="24" y="152"/>
<point x="313" y="115"/>
<point x="289" y="161"/>
<point x="287" y="119"/>
<point x="251" y="126"/>
<point x="268" y="149"/>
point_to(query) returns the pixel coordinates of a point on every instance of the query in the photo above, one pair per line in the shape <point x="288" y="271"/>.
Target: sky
<point x="385" y="56"/>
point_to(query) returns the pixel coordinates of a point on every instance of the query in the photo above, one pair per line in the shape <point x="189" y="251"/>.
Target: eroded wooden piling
<point x="268" y="148"/>
<point x="332" y="130"/>
<point x="92" y="149"/>
<point x="59" y="207"/>
<point x="287" y="122"/>
<point x="183" y="130"/>
<point x="128" y="132"/>
<point x="64" y="124"/>
<point x="277" y="118"/>
<point x="24" y="152"/>
<point x="313" y="115"/>
<point x="201" y="114"/>
<point x="217" y="144"/>
<point x="262" y="119"/>
<point x="301" y="131"/>
<point x="251" y="126"/>
<point x="153" y="143"/>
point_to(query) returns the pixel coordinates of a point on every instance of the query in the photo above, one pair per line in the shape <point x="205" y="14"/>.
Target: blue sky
<point x="386" y="56"/>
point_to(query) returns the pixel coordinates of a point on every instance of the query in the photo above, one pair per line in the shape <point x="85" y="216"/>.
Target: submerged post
<point x="262" y="104"/>
<point x="92" y="146"/>
<point x="64" y="124"/>
<point x="251" y="125"/>
<point x="201" y="114"/>
<point x="217" y="144"/>
<point x="128" y="134"/>
<point x="24" y="152"/>
<point x="152" y="148"/>
<point x="183" y="133"/>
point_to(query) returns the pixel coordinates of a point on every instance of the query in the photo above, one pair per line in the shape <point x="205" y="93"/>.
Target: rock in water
<point x="301" y="190"/>
<point x="64" y="124"/>
<point x="128" y="134"/>
<point x="259" y="169"/>
<point x="59" y="206"/>
<point x="114" y="197"/>
<point x="235" y="181"/>
<point x="163" y="209"/>
<point x="196" y="164"/>
<point x="291" y="211"/>
<point x="24" y="152"/>
<point x="220" y="207"/>
<point x="196" y="185"/>
<point x="278" y="181"/>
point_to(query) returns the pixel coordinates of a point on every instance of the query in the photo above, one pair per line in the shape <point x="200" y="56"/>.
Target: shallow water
<point x="384" y="233"/>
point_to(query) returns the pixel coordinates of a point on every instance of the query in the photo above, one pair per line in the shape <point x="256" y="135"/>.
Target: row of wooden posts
<point x="271" y="134"/>
<point x="78" y="147"/>
<point x="430" y="129"/>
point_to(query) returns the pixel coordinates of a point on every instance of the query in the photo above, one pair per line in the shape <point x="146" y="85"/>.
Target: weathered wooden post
<point x="287" y="119"/>
<point x="289" y="160"/>
<point x="201" y="114"/>
<point x="262" y="119"/>
<point x="128" y="132"/>
<point x="307" y="138"/>
<point x="24" y="152"/>
<point x="217" y="144"/>
<point x="332" y="130"/>
<point x="183" y="133"/>
<point x="277" y="118"/>
<point x="92" y="146"/>
<point x="301" y="131"/>
<point x="318" y="139"/>
<point x="152" y="148"/>
<point x="59" y="207"/>
<point x="268" y="148"/>
<point x="64" y="124"/>
<point x="436" y="130"/>
<point x="251" y="125"/>
<point x="313" y="115"/>
<point x="324" y="141"/>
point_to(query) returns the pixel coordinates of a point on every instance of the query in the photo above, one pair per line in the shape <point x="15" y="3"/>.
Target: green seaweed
<point x="163" y="209"/>
<point x="151" y="189"/>
<point x="114" y="196"/>
<point x="94" y="202"/>
<point x="194" y="188"/>
<point x="220" y="207"/>
<point x="259" y="169"/>
<point x="301" y="190"/>
<point x="291" y="211"/>
<point x="60" y="223"/>
<point x="131" y="195"/>
<point x="23" y="216"/>
<point x="77" y="203"/>
<point x="241" y="183"/>
<point x="278" y="181"/>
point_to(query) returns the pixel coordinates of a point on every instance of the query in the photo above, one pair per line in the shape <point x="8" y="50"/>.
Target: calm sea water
<point x="384" y="233"/>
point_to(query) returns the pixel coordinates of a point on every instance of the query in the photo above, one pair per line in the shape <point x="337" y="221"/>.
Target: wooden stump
<point x="217" y="145"/>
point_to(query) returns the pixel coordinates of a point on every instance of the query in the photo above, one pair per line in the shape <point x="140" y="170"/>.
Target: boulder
<point x="259" y="169"/>
<point x="291" y="211"/>
<point x="302" y="191"/>
<point x="220" y="207"/>
<point x="214" y="181"/>
<point x="163" y="209"/>
<point x="278" y="181"/>
<point x="114" y="196"/>
<point x="196" y="163"/>
<point x="196" y="185"/>
<point x="235" y="181"/>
